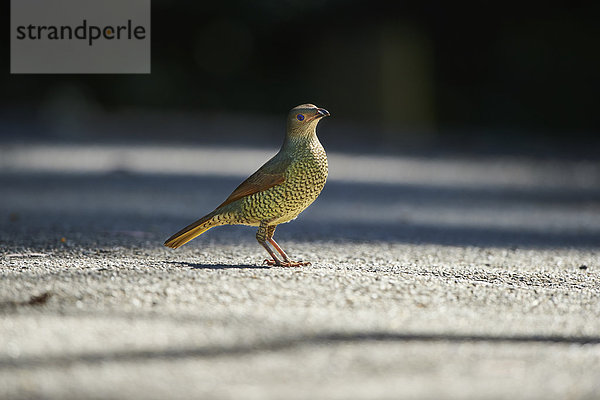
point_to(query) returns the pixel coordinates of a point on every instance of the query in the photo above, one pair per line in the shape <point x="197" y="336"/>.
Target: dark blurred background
<point x="396" y="75"/>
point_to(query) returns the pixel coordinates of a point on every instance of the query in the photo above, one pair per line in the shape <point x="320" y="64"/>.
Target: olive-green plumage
<point x="278" y="192"/>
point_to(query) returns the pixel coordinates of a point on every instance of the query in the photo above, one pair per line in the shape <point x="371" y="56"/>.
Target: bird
<point x="277" y="192"/>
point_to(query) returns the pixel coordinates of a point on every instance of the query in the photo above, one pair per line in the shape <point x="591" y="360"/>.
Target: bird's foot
<point x="278" y="263"/>
<point x="295" y="263"/>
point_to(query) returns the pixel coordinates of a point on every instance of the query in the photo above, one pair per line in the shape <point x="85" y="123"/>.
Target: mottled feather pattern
<point x="304" y="179"/>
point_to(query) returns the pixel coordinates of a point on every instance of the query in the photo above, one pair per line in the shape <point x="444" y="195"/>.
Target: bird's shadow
<point x="217" y="266"/>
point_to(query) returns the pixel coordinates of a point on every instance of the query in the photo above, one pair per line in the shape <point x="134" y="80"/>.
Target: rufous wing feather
<point x="272" y="173"/>
<point x="257" y="182"/>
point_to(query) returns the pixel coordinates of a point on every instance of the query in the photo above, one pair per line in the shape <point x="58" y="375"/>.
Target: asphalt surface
<point x="446" y="277"/>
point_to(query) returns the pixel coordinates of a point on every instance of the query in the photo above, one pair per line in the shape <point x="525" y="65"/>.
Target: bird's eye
<point x="300" y="117"/>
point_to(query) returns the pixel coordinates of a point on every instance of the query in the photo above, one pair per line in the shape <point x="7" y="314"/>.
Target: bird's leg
<point x="286" y="260"/>
<point x="261" y="236"/>
<point x="270" y="233"/>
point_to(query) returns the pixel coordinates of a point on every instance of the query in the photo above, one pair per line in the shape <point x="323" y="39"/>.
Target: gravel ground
<point x="431" y="278"/>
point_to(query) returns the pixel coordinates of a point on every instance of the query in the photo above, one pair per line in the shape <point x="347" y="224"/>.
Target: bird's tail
<point x="193" y="230"/>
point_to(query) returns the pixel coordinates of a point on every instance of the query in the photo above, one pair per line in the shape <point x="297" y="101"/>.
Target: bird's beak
<point x="321" y="112"/>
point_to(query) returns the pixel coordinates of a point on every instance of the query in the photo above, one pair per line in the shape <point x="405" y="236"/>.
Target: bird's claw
<point x="294" y="264"/>
<point x="286" y="263"/>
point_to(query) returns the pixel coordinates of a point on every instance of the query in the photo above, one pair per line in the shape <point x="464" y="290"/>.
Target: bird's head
<point x="303" y="119"/>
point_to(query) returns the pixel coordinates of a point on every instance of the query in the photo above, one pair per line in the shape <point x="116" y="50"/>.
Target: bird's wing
<point x="272" y="173"/>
